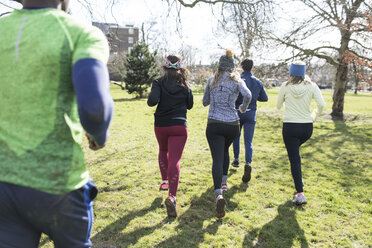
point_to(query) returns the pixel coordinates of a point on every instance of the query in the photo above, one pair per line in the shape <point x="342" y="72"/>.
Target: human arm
<point x="154" y="96"/>
<point x="319" y="102"/>
<point x="190" y="99"/>
<point x="91" y="83"/>
<point x="262" y="96"/>
<point x="280" y="100"/>
<point x="247" y="96"/>
<point x="206" y="96"/>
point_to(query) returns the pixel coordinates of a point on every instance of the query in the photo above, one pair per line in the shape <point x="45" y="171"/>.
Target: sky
<point x="196" y="30"/>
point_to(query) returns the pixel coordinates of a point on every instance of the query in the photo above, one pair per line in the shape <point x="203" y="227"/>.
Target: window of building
<point x="130" y="40"/>
<point x="130" y="49"/>
<point x="131" y="31"/>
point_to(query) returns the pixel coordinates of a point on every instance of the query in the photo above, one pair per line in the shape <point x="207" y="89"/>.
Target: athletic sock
<point x="217" y="192"/>
<point x="224" y="179"/>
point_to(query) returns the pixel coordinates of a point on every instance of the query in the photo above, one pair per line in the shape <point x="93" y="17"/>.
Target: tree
<point x="141" y="69"/>
<point x="193" y="3"/>
<point x="246" y="22"/>
<point x="352" y="21"/>
<point x="116" y="66"/>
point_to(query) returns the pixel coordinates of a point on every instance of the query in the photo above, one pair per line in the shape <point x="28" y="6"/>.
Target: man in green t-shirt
<point x="54" y="87"/>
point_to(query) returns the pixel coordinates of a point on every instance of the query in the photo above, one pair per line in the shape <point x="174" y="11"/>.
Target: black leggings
<point x="294" y="135"/>
<point x="220" y="136"/>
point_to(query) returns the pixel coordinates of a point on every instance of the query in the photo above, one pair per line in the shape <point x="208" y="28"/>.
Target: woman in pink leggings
<point x="173" y="95"/>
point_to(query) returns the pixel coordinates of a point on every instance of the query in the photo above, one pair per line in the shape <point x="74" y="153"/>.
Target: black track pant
<point x="294" y="135"/>
<point x="220" y="136"/>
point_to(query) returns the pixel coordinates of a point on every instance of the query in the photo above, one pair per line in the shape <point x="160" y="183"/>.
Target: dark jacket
<point x="256" y="88"/>
<point x="173" y="100"/>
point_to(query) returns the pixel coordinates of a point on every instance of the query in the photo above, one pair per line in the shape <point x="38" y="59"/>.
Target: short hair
<point x="247" y="64"/>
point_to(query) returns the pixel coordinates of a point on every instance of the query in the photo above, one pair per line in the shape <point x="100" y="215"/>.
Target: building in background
<point x="121" y="40"/>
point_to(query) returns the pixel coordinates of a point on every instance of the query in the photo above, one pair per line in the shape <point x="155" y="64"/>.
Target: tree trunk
<point x="341" y="79"/>
<point x="339" y="92"/>
<point x="356" y="78"/>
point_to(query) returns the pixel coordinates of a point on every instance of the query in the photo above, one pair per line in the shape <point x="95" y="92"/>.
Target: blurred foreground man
<point x="53" y="83"/>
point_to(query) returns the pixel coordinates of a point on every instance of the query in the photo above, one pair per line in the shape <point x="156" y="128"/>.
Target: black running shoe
<point x="235" y="163"/>
<point x="247" y="173"/>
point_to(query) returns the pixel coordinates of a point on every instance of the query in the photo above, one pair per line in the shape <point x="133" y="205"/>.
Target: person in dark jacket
<point x="248" y="119"/>
<point x="173" y="95"/>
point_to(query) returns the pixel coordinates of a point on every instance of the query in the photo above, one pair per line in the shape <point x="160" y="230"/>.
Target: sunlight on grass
<point x="130" y="212"/>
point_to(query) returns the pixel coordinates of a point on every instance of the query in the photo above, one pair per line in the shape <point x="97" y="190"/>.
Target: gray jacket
<point x="222" y="98"/>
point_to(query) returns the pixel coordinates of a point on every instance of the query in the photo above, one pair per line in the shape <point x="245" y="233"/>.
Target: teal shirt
<point x="40" y="130"/>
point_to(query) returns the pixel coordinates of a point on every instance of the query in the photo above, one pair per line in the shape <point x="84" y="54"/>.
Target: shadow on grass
<point x="115" y="229"/>
<point x="333" y="143"/>
<point x="191" y="230"/>
<point x="282" y="231"/>
<point x="348" y="161"/>
<point x="127" y="99"/>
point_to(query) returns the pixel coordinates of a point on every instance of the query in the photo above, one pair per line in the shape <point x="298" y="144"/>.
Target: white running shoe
<point x="299" y="199"/>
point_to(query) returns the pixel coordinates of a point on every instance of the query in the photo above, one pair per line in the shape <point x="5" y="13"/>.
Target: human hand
<point x="240" y="110"/>
<point x="92" y="144"/>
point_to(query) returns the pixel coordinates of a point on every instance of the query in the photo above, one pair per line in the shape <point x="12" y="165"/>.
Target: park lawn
<point x="130" y="211"/>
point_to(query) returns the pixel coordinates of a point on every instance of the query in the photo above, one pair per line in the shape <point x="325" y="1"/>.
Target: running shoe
<point x="247" y="173"/>
<point x="220" y="206"/>
<point x="224" y="187"/>
<point x="235" y="163"/>
<point x="164" y="186"/>
<point x="171" y="205"/>
<point x="299" y="199"/>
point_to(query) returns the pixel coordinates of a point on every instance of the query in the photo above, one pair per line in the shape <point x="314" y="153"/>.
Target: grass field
<point x="130" y="212"/>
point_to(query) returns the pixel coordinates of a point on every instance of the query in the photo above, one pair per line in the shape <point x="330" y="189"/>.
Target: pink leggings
<point x="171" y="143"/>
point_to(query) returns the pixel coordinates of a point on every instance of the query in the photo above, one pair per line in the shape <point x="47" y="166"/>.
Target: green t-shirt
<point x="40" y="130"/>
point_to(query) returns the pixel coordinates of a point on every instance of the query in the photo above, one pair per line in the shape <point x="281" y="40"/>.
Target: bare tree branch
<point x="10" y="7"/>
<point x="195" y="2"/>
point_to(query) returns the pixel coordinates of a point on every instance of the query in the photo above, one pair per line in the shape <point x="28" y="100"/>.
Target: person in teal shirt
<point x="54" y="91"/>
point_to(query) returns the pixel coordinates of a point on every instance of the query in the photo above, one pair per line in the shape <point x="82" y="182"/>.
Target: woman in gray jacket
<point x="221" y="93"/>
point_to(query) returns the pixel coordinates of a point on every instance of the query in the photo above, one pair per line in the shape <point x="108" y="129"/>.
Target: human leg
<point x="74" y="213"/>
<point x="249" y="123"/>
<point x="248" y="137"/>
<point x="231" y="134"/>
<point x="15" y="231"/>
<point x="216" y="143"/>
<point x="162" y="138"/>
<point x="176" y="143"/>
<point x="292" y="143"/>
<point x="248" y="141"/>
<point x="66" y="219"/>
<point x="307" y="131"/>
<point x="236" y="144"/>
<point x="236" y="150"/>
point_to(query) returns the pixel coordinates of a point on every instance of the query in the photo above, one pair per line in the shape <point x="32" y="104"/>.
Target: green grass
<point x="130" y="212"/>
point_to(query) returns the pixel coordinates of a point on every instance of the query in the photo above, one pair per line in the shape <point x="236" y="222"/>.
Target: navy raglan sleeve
<point x="95" y="105"/>
<point x="262" y="97"/>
